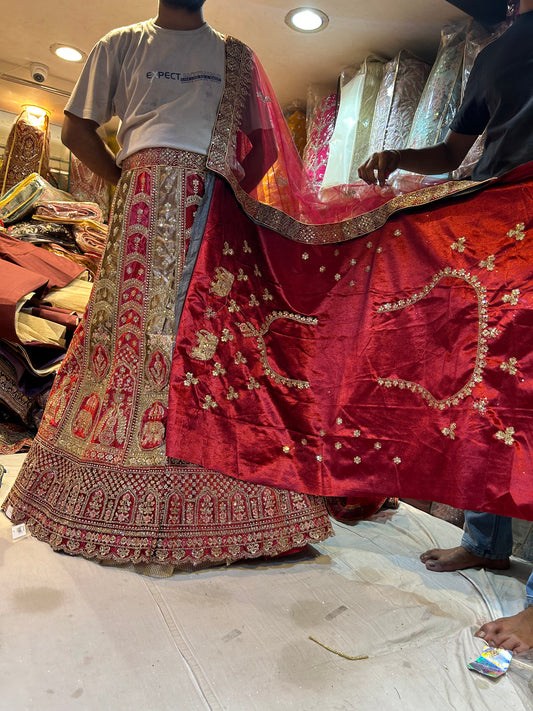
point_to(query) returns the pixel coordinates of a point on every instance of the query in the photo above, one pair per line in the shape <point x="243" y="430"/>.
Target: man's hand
<point x="81" y="137"/>
<point x="379" y="166"/>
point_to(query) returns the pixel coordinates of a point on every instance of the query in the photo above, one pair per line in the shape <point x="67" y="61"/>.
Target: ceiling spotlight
<point x="70" y="54"/>
<point x="307" y="19"/>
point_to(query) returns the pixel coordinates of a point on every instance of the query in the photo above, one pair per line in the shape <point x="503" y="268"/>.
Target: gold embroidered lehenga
<point x="96" y="481"/>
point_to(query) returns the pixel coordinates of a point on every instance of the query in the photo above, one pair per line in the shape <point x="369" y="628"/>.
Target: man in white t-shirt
<point x="148" y="86"/>
<point x="105" y="428"/>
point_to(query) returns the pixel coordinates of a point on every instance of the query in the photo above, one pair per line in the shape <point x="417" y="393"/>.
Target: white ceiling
<point x="293" y="60"/>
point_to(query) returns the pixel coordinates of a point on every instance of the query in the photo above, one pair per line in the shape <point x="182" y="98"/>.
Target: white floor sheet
<point x="75" y="635"/>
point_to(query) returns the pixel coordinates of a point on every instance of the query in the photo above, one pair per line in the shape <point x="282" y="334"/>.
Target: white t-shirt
<point x="164" y="85"/>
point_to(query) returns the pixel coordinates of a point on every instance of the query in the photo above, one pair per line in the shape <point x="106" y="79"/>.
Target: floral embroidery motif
<point x="253" y="384"/>
<point x="232" y="394"/>
<point x="227" y="251"/>
<point x="512" y="298"/>
<point x="158" y="370"/>
<point x="482" y="348"/>
<point x="481" y="405"/>
<point x="240" y="359"/>
<point x="226" y="336"/>
<point x="209" y="403"/>
<point x="510" y="366"/>
<point x="152" y="432"/>
<point x="218" y="370"/>
<point x="207" y="346"/>
<point x="450" y="431"/>
<point x="459" y="246"/>
<point x="397" y="460"/>
<point x="488" y="263"/>
<point x="246" y="248"/>
<point x="518" y="233"/>
<point x="242" y="276"/>
<point x="190" y="380"/>
<point x="253" y="301"/>
<point x="249" y="331"/>
<point x="491" y="332"/>
<point x="506" y="436"/>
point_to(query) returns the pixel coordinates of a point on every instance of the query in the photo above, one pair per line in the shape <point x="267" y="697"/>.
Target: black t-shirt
<point x="499" y="97"/>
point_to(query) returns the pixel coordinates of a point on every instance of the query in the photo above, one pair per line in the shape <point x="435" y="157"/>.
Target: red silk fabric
<point x="399" y="364"/>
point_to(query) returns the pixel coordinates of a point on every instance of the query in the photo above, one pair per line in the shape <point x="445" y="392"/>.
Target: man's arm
<point x="434" y="160"/>
<point x="81" y="137"/>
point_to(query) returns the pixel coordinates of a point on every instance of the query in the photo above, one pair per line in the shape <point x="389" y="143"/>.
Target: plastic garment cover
<point x="349" y="143"/>
<point x="442" y="94"/>
<point x="321" y="122"/>
<point x="403" y="81"/>
<point x="27" y="149"/>
<point x="21" y="200"/>
<point x="296" y="121"/>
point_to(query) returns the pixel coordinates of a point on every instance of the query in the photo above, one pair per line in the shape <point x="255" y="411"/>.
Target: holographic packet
<point x="493" y="662"/>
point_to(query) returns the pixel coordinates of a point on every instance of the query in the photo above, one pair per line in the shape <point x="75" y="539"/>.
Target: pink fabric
<point x="320" y="131"/>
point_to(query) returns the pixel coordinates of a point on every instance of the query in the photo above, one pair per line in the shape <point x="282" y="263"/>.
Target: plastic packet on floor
<point x="493" y="662"/>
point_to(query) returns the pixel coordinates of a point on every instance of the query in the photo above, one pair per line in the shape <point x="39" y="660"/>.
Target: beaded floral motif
<point x="482" y="347"/>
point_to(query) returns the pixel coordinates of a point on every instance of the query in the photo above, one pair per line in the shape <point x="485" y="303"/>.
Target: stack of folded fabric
<point x="50" y="249"/>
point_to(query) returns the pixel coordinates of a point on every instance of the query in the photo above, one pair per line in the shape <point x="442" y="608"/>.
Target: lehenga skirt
<point x="96" y="481"/>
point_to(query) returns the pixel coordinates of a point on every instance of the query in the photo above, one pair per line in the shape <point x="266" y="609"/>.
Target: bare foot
<point x="514" y="633"/>
<point x="441" y="560"/>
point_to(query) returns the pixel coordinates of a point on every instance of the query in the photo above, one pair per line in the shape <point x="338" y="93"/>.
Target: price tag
<point x="19" y="531"/>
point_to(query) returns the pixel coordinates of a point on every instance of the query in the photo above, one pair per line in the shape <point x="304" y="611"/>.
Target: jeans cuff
<point x="468" y="544"/>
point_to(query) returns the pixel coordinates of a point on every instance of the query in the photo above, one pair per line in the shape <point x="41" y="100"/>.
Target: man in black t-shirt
<point x="498" y="98"/>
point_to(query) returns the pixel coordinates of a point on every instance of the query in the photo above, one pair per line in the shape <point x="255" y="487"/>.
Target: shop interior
<point x="354" y="622"/>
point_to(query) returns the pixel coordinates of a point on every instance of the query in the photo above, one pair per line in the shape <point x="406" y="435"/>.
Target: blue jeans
<point x="488" y="535"/>
<point x="491" y="536"/>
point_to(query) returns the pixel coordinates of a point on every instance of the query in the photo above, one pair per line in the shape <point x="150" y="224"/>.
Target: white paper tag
<point x="19" y="531"/>
<point x="9" y="511"/>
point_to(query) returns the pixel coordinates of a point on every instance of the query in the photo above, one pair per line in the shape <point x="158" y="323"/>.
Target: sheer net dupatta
<point x="252" y="148"/>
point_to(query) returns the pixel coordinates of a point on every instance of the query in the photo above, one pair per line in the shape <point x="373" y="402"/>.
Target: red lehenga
<point x="108" y="474"/>
<point x="96" y="481"/>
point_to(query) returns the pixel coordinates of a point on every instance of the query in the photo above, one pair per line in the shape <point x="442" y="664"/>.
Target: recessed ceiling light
<point x="70" y="54"/>
<point x="307" y="19"/>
